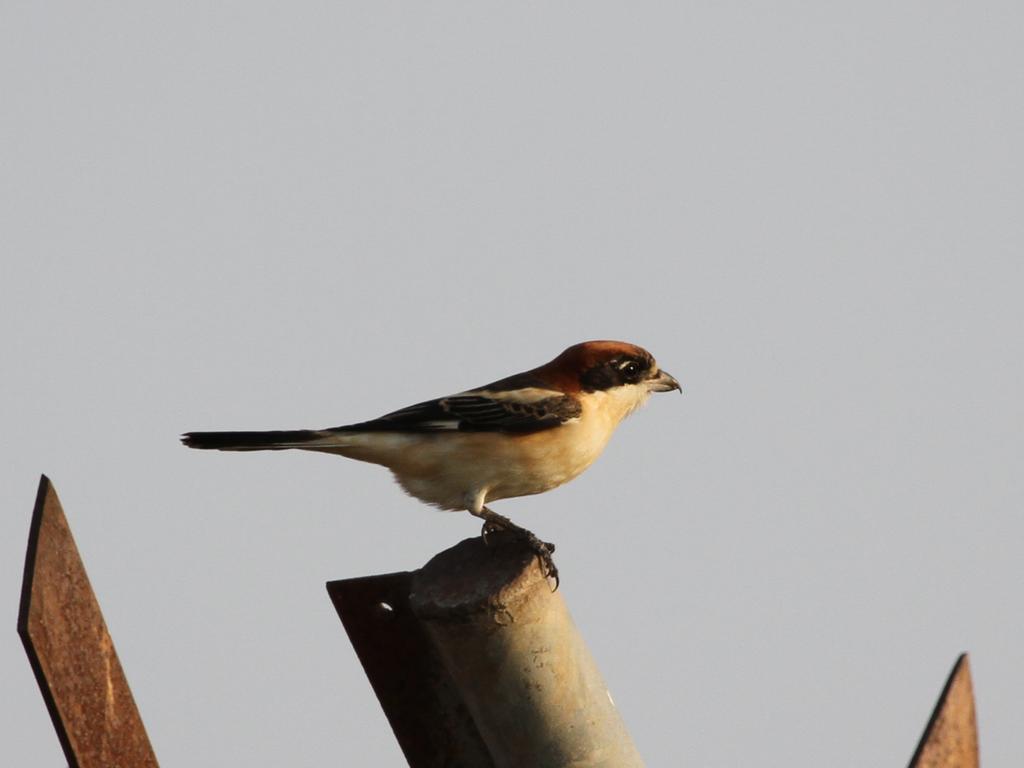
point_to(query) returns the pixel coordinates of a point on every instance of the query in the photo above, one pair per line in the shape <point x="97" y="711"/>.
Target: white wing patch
<point x="525" y="395"/>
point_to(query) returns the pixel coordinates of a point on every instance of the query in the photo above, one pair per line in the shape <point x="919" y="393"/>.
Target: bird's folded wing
<point x="478" y="411"/>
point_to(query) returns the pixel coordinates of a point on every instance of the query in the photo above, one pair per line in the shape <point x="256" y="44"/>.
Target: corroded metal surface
<point x="951" y="738"/>
<point x="71" y="652"/>
<point x="517" y="659"/>
<point x="425" y="711"/>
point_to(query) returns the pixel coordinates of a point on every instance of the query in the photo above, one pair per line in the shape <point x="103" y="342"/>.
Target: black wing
<point x="471" y="412"/>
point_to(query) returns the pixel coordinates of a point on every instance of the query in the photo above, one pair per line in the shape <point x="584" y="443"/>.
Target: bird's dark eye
<point x="630" y="368"/>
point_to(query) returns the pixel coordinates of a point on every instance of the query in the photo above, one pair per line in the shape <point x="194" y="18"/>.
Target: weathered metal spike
<point x="71" y="652"/>
<point x="951" y="738"/>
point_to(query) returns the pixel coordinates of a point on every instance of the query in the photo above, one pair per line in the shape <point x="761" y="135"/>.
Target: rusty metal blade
<point x="951" y="738"/>
<point x="71" y="652"/>
<point x="425" y="711"/>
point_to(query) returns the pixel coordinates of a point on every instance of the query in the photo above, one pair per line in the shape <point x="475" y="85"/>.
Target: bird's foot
<point x="493" y="523"/>
<point x="543" y="550"/>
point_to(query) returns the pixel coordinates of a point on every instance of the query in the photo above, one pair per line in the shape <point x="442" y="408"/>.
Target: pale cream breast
<point x="540" y="461"/>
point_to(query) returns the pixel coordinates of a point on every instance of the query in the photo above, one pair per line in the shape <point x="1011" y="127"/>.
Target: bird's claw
<point x="547" y="564"/>
<point x="542" y="549"/>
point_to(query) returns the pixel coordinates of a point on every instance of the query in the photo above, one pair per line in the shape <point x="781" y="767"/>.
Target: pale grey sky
<point x="256" y="215"/>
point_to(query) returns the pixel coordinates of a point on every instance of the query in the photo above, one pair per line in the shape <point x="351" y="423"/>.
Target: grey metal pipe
<point x="521" y="666"/>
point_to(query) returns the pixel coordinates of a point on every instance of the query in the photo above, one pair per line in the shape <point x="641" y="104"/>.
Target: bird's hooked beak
<point x="664" y="382"/>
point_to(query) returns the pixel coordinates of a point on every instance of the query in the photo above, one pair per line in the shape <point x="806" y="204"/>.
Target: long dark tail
<point x="277" y="440"/>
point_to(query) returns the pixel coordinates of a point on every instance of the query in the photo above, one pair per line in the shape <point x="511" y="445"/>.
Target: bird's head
<point x="624" y="371"/>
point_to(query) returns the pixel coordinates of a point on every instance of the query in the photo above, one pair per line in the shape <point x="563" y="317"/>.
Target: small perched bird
<point x="517" y="436"/>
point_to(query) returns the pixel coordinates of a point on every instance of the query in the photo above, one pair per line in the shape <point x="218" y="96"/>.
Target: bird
<point x="521" y="435"/>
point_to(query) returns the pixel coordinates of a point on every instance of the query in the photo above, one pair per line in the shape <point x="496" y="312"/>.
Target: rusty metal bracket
<point x="426" y="714"/>
<point x="71" y="652"/>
